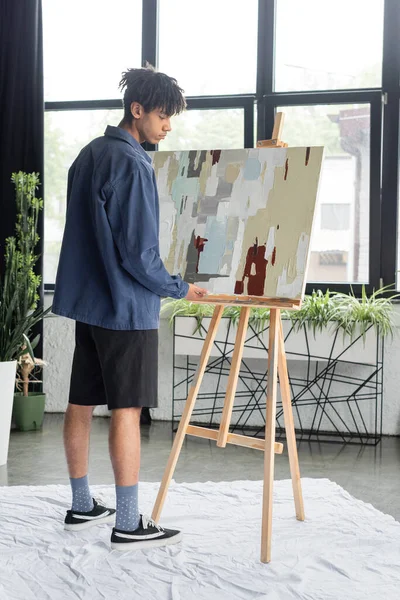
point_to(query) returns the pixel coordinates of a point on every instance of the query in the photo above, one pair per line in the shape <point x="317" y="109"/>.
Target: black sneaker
<point x="147" y="535"/>
<point x="74" y="521"/>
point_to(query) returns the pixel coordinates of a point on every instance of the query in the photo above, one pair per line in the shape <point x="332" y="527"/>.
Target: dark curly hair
<point x="152" y="90"/>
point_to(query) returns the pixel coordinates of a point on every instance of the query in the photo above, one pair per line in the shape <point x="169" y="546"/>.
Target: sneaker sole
<point x="89" y="524"/>
<point x="127" y="546"/>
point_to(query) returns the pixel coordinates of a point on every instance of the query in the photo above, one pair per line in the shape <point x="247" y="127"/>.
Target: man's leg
<point x="87" y="386"/>
<point x="77" y="424"/>
<point x="132" y="531"/>
<point x="124" y="445"/>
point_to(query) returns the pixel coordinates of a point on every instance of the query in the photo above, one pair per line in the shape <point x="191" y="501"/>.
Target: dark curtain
<point x="21" y="107"/>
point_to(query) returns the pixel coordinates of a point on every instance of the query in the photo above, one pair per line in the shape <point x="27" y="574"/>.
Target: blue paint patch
<point x="182" y="187"/>
<point x="252" y="169"/>
<point x="214" y="249"/>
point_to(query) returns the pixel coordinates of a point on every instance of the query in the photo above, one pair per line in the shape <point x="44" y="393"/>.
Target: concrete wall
<point x="58" y="350"/>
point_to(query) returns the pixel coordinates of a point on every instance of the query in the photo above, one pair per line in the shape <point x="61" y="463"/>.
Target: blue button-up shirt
<point x="110" y="272"/>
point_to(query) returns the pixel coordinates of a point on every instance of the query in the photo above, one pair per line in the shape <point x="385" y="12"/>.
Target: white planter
<point x="320" y="346"/>
<point x="7" y="385"/>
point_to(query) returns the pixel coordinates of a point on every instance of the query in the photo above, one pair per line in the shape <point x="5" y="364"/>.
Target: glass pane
<point x="66" y="133"/>
<point x="332" y="44"/>
<point x="340" y="242"/>
<point x="397" y="275"/>
<point x="209" y="47"/>
<point x="87" y="45"/>
<point x="335" y="216"/>
<point x="206" y="130"/>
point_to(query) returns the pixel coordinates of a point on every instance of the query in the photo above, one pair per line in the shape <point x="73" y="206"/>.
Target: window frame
<point x="268" y="100"/>
<point x="390" y="150"/>
<point x="373" y="98"/>
<point x="385" y="115"/>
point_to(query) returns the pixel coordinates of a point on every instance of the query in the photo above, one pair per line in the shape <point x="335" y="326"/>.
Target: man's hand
<point x="195" y="293"/>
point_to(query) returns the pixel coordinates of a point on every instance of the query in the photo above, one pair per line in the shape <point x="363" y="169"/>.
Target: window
<point x="87" y="45"/>
<point x="66" y="133"/>
<point x="210" y="47"/>
<point x="335" y="217"/>
<point x="342" y="218"/>
<point x="206" y="130"/>
<point x="334" y="44"/>
<point x="238" y="63"/>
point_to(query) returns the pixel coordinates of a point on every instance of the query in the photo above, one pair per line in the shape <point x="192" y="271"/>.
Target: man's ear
<point x="136" y="110"/>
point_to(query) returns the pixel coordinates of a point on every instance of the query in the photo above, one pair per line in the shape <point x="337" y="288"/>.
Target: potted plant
<point x="322" y="314"/>
<point x="19" y="284"/>
<point x="28" y="409"/>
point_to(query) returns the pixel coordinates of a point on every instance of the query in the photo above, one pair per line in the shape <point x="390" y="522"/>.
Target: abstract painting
<point x="238" y="222"/>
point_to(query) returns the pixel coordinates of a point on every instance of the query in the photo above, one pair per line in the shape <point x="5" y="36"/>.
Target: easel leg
<point x="233" y="377"/>
<point x="269" y="458"/>
<point x="289" y="426"/>
<point x="187" y="413"/>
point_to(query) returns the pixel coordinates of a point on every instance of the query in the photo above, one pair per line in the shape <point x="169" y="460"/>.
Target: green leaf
<point x="19" y="284"/>
<point x="334" y="311"/>
<point x="28" y="347"/>
<point x="35" y="341"/>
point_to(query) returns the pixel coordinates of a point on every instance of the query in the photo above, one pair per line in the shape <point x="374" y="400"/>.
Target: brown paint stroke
<point x="199" y="244"/>
<point x="308" y="152"/>
<point x="216" y="154"/>
<point x="286" y="168"/>
<point x="273" y="257"/>
<point x="256" y="283"/>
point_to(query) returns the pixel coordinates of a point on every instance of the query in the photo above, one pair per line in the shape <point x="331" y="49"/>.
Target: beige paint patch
<point x="290" y="205"/>
<point x="182" y="262"/>
<point x="204" y="174"/>
<point x="159" y="160"/>
<point x="173" y="171"/>
<point x="232" y="172"/>
<point x="169" y="263"/>
<point x="264" y="170"/>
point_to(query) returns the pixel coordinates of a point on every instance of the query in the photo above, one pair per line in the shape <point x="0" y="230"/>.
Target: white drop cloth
<point x="345" y="550"/>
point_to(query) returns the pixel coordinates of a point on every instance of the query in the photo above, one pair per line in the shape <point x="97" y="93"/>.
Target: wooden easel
<point x="276" y="365"/>
<point x="275" y="141"/>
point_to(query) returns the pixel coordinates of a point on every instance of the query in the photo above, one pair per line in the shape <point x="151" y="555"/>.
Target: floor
<point x="371" y="474"/>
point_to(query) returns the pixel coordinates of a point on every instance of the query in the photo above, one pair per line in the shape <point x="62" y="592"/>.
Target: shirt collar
<point x="122" y="134"/>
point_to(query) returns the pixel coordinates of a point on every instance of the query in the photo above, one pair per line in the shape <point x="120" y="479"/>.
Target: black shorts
<point x="117" y="368"/>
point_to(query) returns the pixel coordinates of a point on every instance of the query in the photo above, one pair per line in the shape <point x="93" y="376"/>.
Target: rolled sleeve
<point x="132" y="211"/>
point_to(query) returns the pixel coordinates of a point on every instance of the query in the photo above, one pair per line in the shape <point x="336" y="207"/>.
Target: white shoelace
<point x="148" y="522"/>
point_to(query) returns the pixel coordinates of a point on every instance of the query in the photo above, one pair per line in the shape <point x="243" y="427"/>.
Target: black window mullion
<point x="344" y="288"/>
<point x="210" y="102"/>
<point x="265" y="66"/>
<point x="326" y="97"/>
<point x="83" y="105"/>
<point x="390" y="162"/>
<point x="375" y="194"/>
<point x="150" y="18"/>
<point x="249" y="141"/>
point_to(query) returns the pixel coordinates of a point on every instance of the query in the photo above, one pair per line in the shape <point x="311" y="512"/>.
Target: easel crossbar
<point x="233" y="438"/>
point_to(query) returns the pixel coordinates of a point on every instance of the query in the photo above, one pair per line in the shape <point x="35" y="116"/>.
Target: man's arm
<point x="132" y="213"/>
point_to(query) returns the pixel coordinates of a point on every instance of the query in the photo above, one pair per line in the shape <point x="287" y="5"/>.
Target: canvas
<point x="238" y="222"/>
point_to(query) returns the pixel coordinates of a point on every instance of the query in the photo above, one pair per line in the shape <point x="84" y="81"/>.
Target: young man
<point x="110" y="279"/>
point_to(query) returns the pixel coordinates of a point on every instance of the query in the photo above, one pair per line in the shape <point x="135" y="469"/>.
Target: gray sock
<point x="82" y="500"/>
<point x="127" y="517"/>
